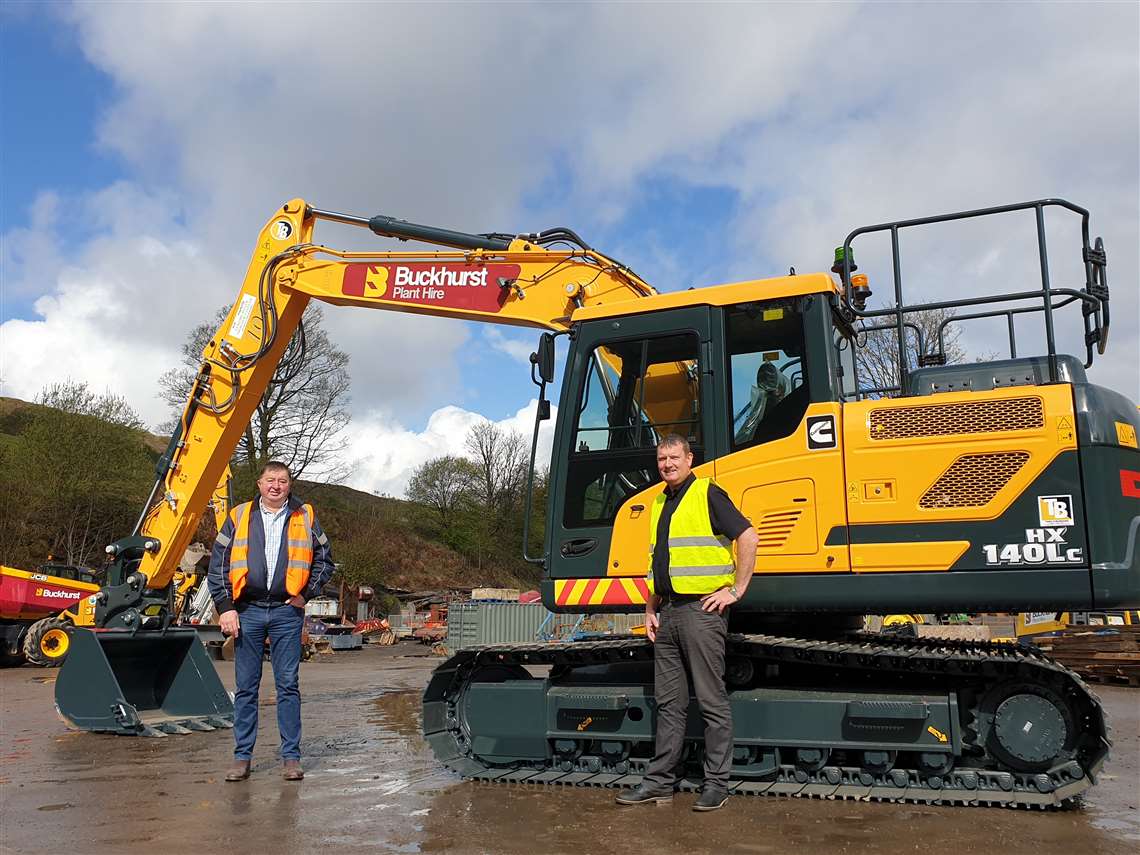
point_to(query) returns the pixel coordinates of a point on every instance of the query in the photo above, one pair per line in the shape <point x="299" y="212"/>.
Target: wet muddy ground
<point x="372" y="785"/>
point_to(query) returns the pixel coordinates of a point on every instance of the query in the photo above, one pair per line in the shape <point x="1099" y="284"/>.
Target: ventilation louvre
<point x="775" y="528"/>
<point x="973" y="480"/>
<point x="968" y="417"/>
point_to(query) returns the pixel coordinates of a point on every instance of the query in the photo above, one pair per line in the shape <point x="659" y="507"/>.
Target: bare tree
<point x="300" y="419"/>
<point x="74" y="396"/>
<point x="501" y="457"/>
<point x="877" y="353"/>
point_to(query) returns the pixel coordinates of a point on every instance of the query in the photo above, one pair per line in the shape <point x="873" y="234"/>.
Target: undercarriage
<point x="866" y="717"/>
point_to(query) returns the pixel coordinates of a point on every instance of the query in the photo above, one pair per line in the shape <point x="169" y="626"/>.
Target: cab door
<point x="783" y="462"/>
<point x="630" y="381"/>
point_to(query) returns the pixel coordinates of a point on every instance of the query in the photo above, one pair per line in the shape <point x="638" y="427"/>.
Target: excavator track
<point x="1025" y="731"/>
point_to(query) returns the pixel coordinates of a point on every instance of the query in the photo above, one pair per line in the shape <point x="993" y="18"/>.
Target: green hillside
<point x="69" y="484"/>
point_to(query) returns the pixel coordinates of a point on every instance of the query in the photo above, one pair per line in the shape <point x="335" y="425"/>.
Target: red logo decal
<point x="1130" y="483"/>
<point x="444" y="285"/>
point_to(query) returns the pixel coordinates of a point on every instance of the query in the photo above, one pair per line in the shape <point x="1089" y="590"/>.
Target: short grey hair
<point x="675" y="439"/>
<point x="275" y="466"/>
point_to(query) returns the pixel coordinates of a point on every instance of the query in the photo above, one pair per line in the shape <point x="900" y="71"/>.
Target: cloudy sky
<point x="144" y="145"/>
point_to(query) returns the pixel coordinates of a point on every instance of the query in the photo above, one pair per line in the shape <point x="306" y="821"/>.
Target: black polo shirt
<point x="725" y="518"/>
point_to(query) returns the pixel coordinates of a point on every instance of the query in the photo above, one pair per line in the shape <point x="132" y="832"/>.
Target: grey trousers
<point x="690" y="649"/>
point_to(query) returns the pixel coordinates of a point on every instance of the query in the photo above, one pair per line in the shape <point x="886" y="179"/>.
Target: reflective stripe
<point x="323" y="539"/>
<point x="239" y="553"/>
<point x="299" y="547"/>
<point x="699" y="541"/>
<point x="700" y="570"/>
<point x="223" y="540"/>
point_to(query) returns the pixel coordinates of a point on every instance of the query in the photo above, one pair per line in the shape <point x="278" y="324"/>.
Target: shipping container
<point x="476" y="623"/>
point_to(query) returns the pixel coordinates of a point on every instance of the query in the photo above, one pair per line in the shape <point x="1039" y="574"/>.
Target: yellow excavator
<point x="1012" y="484"/>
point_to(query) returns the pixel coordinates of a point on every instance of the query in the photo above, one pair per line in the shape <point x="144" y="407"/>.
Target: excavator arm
<point x="519" y="281"/>
<point x="138" y="673"/>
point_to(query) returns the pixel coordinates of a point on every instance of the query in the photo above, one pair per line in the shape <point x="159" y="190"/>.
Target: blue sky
<point x="143" y="146"/>
<point x="52" y="97"/>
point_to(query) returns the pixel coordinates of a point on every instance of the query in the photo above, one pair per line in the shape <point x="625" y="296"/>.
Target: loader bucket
<point x="146" y="683"/>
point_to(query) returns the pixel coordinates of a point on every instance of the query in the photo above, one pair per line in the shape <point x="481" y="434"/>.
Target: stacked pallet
<point x="1108" y="654"/>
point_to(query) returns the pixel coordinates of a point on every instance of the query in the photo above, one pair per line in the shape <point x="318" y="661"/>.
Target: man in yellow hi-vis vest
<point x="270" y="557"/>
<point x="692" y="582"/>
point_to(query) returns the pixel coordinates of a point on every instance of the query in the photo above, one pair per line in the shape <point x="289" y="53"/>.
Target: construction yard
<point x="372" y="785"/>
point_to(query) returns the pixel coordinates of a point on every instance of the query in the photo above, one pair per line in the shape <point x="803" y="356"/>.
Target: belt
<point x="676" y="599"/>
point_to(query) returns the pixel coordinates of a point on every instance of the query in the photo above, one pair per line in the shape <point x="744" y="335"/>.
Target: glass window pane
<point x="635" y="392"/>
<point x="766" y="371"/>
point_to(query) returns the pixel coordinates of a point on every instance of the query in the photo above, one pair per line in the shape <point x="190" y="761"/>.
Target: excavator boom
<point x="137" y="673"/>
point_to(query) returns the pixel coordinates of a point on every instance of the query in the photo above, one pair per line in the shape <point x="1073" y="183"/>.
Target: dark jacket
<point x="255" y="591"/>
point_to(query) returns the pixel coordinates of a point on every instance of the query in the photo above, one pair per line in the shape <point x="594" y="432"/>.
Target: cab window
<point x="767" y="374"/>
<point x="634" y="393"/>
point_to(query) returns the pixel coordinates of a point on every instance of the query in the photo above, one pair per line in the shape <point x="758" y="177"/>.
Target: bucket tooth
<point x="220" y="722"/>
<point x="197" y="725"/>
<point x="172" y="727"/>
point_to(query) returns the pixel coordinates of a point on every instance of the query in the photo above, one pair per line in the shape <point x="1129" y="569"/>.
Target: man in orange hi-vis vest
<point x="270" y="557"/>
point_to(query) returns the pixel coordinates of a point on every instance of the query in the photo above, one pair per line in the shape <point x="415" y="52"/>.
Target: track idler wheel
<point x="47" y="643"/>
<point x="1033" y="727"/>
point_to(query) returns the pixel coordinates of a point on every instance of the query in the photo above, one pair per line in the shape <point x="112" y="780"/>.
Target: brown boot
<point x="239" y="771"/>
<point x="293" y="770"/>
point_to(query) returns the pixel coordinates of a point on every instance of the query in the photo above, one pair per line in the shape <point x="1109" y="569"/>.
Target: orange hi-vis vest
<point x="299" y="542"/>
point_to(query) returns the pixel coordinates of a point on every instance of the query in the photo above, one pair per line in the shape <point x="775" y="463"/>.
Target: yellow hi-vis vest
<point x="700" y="560"/>
<point x="299" y="543"/>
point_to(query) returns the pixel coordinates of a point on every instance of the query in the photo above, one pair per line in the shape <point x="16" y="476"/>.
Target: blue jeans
<point x="282" y="624"/>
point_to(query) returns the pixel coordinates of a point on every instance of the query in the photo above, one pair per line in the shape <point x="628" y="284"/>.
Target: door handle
<point x="577" y="547"/>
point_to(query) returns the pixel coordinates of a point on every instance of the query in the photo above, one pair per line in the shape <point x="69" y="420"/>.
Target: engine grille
<point x="968" y="417"/>
<point x="775" y="528"/>
<point x="973" y="480"/>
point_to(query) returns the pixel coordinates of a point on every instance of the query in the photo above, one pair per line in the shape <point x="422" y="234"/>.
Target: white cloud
<point x="514" y="346"/>
<point x="387" y="453"/>
<point x="816" y="120"/>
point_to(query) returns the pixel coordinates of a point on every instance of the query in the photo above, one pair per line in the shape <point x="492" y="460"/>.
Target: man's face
<point x="674" y="464"/>
<point x="274" y="487"/>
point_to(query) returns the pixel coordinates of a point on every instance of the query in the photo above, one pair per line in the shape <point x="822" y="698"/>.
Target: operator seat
<point x="784" y="418"/>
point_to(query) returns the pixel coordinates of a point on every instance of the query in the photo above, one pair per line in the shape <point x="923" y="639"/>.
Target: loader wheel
<point x="47" y="643"/>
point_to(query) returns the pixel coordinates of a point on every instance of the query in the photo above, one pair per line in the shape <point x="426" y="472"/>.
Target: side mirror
<point x="543" y="358"/>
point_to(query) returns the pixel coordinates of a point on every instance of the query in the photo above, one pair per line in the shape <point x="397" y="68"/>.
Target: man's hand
<point x="230" y="622"/>
<point x="652" y="621"/>
<point x="717" y="601"/>
<point x="296" y="600"/>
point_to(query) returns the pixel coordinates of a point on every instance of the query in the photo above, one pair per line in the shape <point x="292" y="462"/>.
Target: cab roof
<point x="715" y="295"/>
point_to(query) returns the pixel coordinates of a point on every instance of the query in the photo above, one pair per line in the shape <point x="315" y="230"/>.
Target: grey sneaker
<point x="642" y="794"/>
<point x="711" y="798"/>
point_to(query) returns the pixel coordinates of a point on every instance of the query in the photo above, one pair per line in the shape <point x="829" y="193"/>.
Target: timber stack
<point x="1109" y="654"/>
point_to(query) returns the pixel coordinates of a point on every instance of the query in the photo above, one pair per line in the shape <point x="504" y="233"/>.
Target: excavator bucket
<point x="141" y="683"/>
